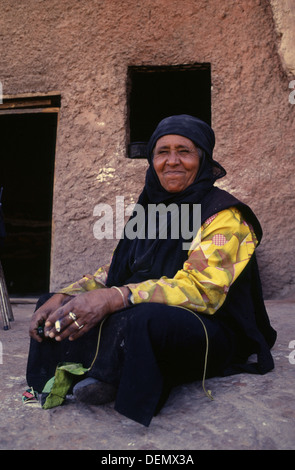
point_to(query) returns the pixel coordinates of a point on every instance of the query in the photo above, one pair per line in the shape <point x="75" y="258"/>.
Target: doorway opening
<point x="157" y="92"/>
<point x="28" y="140"/>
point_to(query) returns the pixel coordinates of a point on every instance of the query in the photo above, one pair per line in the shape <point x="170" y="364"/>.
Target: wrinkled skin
<point x="176" y="162"/>
<point x="90" y="308"/>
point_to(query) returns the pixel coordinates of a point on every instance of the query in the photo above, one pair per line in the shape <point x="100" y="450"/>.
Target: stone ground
<point x="247" y="413"/>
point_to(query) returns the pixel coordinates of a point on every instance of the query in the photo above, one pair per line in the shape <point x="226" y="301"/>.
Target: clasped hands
<point x="71" y="317"/>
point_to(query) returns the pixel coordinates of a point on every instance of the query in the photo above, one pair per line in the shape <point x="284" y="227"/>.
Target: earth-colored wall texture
<point x="82" y="49"/>
<point x="284" y="17"/>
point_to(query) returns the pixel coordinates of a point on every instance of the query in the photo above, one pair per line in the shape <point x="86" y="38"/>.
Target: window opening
<point x="157" y="92"/>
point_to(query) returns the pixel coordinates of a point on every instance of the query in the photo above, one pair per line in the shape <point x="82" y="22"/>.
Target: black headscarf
<point x="202" y="135"/>
<point x="141" y="259"/>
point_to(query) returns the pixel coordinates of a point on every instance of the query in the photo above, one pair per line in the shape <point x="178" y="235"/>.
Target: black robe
<point x="148" y="348"/>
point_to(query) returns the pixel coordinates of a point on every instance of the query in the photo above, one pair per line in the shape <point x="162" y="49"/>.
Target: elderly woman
<point x="160" y="315"/>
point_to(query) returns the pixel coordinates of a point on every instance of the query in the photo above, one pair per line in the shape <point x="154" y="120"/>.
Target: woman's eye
<point x="161" y="152"/>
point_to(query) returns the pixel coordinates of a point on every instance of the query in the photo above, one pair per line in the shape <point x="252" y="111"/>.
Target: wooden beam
<point x="30" y="101"/>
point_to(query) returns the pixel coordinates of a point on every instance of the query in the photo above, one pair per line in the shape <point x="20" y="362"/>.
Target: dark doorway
<point x="26" y="175"/>
<point x="157" y="92"/>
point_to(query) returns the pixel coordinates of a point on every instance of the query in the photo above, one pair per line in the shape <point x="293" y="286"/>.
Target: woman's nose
<point x="173" y="158"/>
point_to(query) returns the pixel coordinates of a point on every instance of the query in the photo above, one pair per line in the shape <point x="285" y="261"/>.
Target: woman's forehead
<point x="173" y="139"/>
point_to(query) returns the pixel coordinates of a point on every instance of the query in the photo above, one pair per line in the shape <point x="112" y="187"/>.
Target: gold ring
<point x="77" y="324"/>
<point x="57" y="326"/>
<point x="73" y="316"/>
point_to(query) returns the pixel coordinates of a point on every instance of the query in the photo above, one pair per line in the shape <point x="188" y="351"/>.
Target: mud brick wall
<point x="82" y="49"/>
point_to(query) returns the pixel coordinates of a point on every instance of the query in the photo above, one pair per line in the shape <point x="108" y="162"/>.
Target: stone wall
<point x="82" y="49"/>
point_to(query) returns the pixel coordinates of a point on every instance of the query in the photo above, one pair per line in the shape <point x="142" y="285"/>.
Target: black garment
<point x="144" y="352"/>
<point x="139" y="259"/>
<point x="148" y="348"/>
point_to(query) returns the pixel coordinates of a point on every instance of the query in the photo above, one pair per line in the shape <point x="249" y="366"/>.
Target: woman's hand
<point x="83" y="312"/>
<point x="40" y="316"/>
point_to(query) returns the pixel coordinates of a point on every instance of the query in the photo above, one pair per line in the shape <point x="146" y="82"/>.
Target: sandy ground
<point x="247" y="413"/>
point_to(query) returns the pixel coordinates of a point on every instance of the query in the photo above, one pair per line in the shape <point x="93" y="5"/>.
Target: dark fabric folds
<point x="133" y="257"/>
<point x="138" y="260"/>
<point x="148" y="348"/>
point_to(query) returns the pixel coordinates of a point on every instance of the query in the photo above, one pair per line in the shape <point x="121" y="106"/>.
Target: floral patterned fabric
<point x="218" y="254"/>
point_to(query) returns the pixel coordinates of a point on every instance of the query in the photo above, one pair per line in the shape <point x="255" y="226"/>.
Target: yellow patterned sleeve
<point x="88" y="282"/>
<point x="217" y="256"/>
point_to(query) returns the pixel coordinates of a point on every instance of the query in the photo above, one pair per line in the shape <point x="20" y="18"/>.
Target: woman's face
<point x="176" y="162"/>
